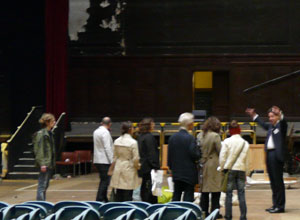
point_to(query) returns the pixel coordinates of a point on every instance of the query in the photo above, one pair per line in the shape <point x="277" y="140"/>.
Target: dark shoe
<point x="276" y="210"/>
<point x="267" y="210"/>
<point x="219" y="216"/>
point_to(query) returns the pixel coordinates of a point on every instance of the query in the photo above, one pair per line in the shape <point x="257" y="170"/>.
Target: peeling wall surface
<point x="78" y="17"/>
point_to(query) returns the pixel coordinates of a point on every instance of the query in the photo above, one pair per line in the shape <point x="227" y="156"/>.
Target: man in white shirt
<point x="234" y="159"/>
<point x="103" y="156"/>
<point x="275" y="149"/>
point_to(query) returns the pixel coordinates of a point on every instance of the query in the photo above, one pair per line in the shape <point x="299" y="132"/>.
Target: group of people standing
<point x="126" y="163"/>
<point x="186" y="154"/>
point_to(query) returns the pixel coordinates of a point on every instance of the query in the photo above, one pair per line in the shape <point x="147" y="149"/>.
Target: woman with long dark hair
<point x="212" y="179"/>
<point x="149" y="158"/>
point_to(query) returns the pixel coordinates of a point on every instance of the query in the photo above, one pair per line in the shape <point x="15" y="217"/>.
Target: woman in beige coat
<point x="126" y="158"/>
<point x="210" y="146"/>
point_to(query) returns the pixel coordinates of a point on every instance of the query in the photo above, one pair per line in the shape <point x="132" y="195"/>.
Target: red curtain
<point x="56" y="13"/>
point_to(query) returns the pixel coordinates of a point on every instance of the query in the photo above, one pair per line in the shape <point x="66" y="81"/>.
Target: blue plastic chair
<point x="70" y="212"/>
<point x="35" y="215"/>
<point x="102" y="209"/>
<point x="12" y="212"/>
<point x="47" y="205"/>
<point x="213" y="215"/>
<point x="154" y="207"/>
<point x="63" y="204"/>
<point x="25" y="216"/>
<point x="115" y="212"/>
<point x="188" y="215"/>
<point x="96" y="205"/>
<point x="3" y="205"/>
<point x="51" y="217"/>
<point x="190" y="205"/>
<point x="140" y="204"/>
<point x="157" y="213"/>
<point x="171" y="213"/>
<point x="89" y="214"/>
<point x="43" y="211"/>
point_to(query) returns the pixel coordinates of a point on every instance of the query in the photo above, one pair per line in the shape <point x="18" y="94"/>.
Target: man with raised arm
<point x="275" y="149"/>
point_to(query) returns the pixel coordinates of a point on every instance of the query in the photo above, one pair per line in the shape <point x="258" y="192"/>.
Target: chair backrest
<point x="172" y="213"/>
<point x="47" y="205"/>
<point x="102" y="209"/>
<point x="140" y="204"/>
<point x="213" y="215"/>
<point x="90" y="214"/>
<point x="25" y="216"/>
<point x="20" y="210"/>
<point x="199" y="115"/>
<point x="63" y="204"/>
<point x="84" y="155"/>
<point x="188" y="215"/>
<point x="68" y="155"/>
<point x="35" y="215"/>
<point x="51" y="217"/>
<point x="43" y="211"/>
<point x="3" y="204"/>
<point x="115" y="212"/>
<point x="96" y="204"/>
<point x="70" y="212"/>
<point x="154" y="207"/>
<point x="190" y="205"/>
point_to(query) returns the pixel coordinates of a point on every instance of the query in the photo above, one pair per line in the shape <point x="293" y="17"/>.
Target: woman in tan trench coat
<point x="126" y="158"/>
<point x="210" y="146"/>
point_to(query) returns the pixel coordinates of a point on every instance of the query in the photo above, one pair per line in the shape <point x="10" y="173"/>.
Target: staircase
<point x="25" y="167"/>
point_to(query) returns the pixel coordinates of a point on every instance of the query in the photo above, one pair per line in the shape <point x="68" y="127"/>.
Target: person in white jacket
<point x="234" y="159"/>
<point x="103" y="156"/>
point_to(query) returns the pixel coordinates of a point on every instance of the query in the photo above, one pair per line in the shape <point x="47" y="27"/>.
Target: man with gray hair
<point x="103" y="156"/>
<point x="182" y="156"/>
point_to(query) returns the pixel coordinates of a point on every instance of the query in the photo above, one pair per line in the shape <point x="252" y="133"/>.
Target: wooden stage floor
<point x="85" y="187"/>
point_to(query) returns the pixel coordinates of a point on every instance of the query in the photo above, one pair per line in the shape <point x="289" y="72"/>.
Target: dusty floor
<point x="85" y="187"/>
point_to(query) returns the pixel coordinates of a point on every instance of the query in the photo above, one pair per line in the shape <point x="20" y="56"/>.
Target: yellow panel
<point x="203" y="80"/>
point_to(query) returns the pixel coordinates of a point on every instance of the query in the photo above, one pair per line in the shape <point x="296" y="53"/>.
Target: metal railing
<point x="59" y="135"/>
<point x="18" y="143"/>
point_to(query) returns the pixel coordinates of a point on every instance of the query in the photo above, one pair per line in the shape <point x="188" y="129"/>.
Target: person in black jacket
<point x="275" y="149"/>
<point x="149" y="158"/>
<point x="182" y="156"/>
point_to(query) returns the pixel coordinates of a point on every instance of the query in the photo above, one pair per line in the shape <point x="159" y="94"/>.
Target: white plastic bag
<point x="157" y="180"/>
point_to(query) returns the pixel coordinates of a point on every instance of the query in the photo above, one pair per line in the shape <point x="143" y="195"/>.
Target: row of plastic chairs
<point x="75" y="159"/>
<point x="92" y="210"/>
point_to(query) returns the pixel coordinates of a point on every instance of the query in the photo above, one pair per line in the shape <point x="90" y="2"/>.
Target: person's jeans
<point x="43" y="183"/>
<point x="179" y="188"/>
<point x="236" y="180"/>
<point x="104" y="182"/>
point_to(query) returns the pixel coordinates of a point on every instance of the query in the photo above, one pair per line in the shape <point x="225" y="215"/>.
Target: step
<point x="22" y="175"/>
<point x="26" y="161"/>
<point x="25" y="168"/>
<point x="28" y="154"/>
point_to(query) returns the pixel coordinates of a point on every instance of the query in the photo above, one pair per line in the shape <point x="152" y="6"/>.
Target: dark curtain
<point x="56" y="14"/>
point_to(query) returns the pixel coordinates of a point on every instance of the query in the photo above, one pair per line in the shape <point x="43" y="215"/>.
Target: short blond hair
<point x="46" y="118"/>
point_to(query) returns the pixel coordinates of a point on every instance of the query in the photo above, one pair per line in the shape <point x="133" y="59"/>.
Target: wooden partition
<point x="257" y="158"/>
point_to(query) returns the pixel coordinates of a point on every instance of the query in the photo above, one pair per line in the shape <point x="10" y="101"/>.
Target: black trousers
<point x="123" y="195"/>
<point x="179" y="188"/>
<point x="275" y="170"/>
<point x="104" y="182"/>
<point x="215" y="201"/>
<point x="146" y="187"/>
